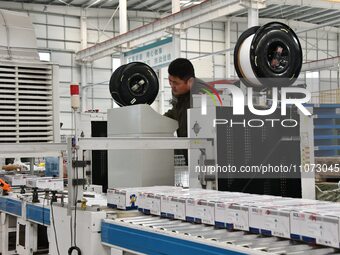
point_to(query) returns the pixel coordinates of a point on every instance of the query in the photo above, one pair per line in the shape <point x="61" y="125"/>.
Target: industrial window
<point x="45" y="56"/>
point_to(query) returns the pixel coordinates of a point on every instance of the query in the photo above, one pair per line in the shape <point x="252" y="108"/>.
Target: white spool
<point x="244" y="62"/>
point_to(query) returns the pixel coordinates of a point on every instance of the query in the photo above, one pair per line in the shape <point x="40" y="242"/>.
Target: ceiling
<point x="137" y="5"/>
<point x="273" y="11"/>
<point x="299" y="13"/>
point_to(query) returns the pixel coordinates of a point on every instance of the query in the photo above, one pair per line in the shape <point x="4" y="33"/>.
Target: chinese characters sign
<point x="156" y="55"/>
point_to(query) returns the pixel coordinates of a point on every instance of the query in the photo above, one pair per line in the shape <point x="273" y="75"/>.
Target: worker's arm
<point x="170" y="113"/>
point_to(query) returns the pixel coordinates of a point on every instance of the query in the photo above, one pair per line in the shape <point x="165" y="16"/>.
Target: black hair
<point x="181" y="68"/>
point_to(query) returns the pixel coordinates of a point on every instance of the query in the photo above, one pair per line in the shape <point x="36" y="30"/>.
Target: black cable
<point x="43" y="212"/>
<point x="83" y="168"/>
<point x="54" y="229"/>
<point x="71" y="229"/>
<point x="74" y="248"/>
<point x="75" y="209"/>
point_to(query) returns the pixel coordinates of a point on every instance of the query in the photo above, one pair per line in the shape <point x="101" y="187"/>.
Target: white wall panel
<point x="64" y="89"/>
<point x="311" y="55"/>
<point x="205" y="46"/>
<point x="205" y="34"/>
<point x="72" y="34"/>
<point x="65" y="104"/>
<point x="219" y="59"/>
<point x="183" y="45"/>
<point x="193" y="45"/>
<point x="322" y="44"/>
<point x="203" y="67"/>
<point x="242" y="27"/>
<point x="193" y="33"/>
<point x="72" y="46"/>
<point x="41" y="43"/>
<point x="62" y="58"/>
<point x="134" y="24"/>
<point x="56" y="45"/>
<point x="219" y="72"/>
<point x="233" y="36"/>
<point x="64" y="74"/>
<point x="206" y="25"/>
<point x="55" y="20"/>
<point x="72" y="21"/>
<point x="76" y="75"/>
<point x="40" y="31"/>
<point x="38" y="18"/>
<point x="55" y="32"/>
<point x="332" y="45"/>
<point x="92" y="36"/>
<point x="218" y="25"/>
<point x="103" y="63"/>
<point x="101" y="75"/>
<point x="312" y="34"/>
<point x="218" y="35"/>
<point x="322" y="54"/>
<point x="219" y="46"/>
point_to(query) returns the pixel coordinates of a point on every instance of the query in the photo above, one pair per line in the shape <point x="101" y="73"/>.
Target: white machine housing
<point x="139" y="168"/>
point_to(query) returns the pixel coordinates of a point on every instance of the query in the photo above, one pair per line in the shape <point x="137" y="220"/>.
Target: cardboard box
<point x="273" y="218"/>
<point x="45" y="183"/>
<point x="15" y="179"/>
<point x="131" y="198"/>
<point x="235" y="214"/>
<point x="317" y="224"/>
<point x="196" y="204"/>
<point x="206" y="207"/>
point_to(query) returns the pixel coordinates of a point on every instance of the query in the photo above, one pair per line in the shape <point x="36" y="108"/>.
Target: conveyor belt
<point x="154" y="235"/>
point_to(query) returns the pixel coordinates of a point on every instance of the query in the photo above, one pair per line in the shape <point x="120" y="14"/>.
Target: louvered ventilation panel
<point x="26" y="103"/>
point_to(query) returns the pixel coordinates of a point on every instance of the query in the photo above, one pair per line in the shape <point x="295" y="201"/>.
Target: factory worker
<point x="183" y="84"/>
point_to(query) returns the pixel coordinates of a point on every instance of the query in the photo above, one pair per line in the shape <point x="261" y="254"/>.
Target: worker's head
<point x="181" y="76"/>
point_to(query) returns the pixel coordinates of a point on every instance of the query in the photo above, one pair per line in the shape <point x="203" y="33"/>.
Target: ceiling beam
<point x="330" y="19"/>
<point x="189" y="14"/>
<point x="294" y="14"/>
<point x="280" y="11"/>
<point x="211" y="16"/>
<point x="321" y="64"/>
<point x="308" y="3"/>
<point x="321" y="16"/>
<point x="160" y="5"/>
<point x="294" y="24"/>
<point x="72" y="10"/>
<point x="270" y="9"/>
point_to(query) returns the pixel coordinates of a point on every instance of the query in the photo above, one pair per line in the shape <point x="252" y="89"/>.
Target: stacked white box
<point x="274" y="218"/>
<point x="15" y="179"/>
<point x="193" y="207"/>
<point x="132" y="198"/>
<point x="125" y="199"/>
<point x="235" y="214"/>
<point x="150" y="200"/>
<point x="45" y="183"/>
<point x="174" y="205"/>
<point x="205" y="208"/>
<point x="318" y="224"/>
